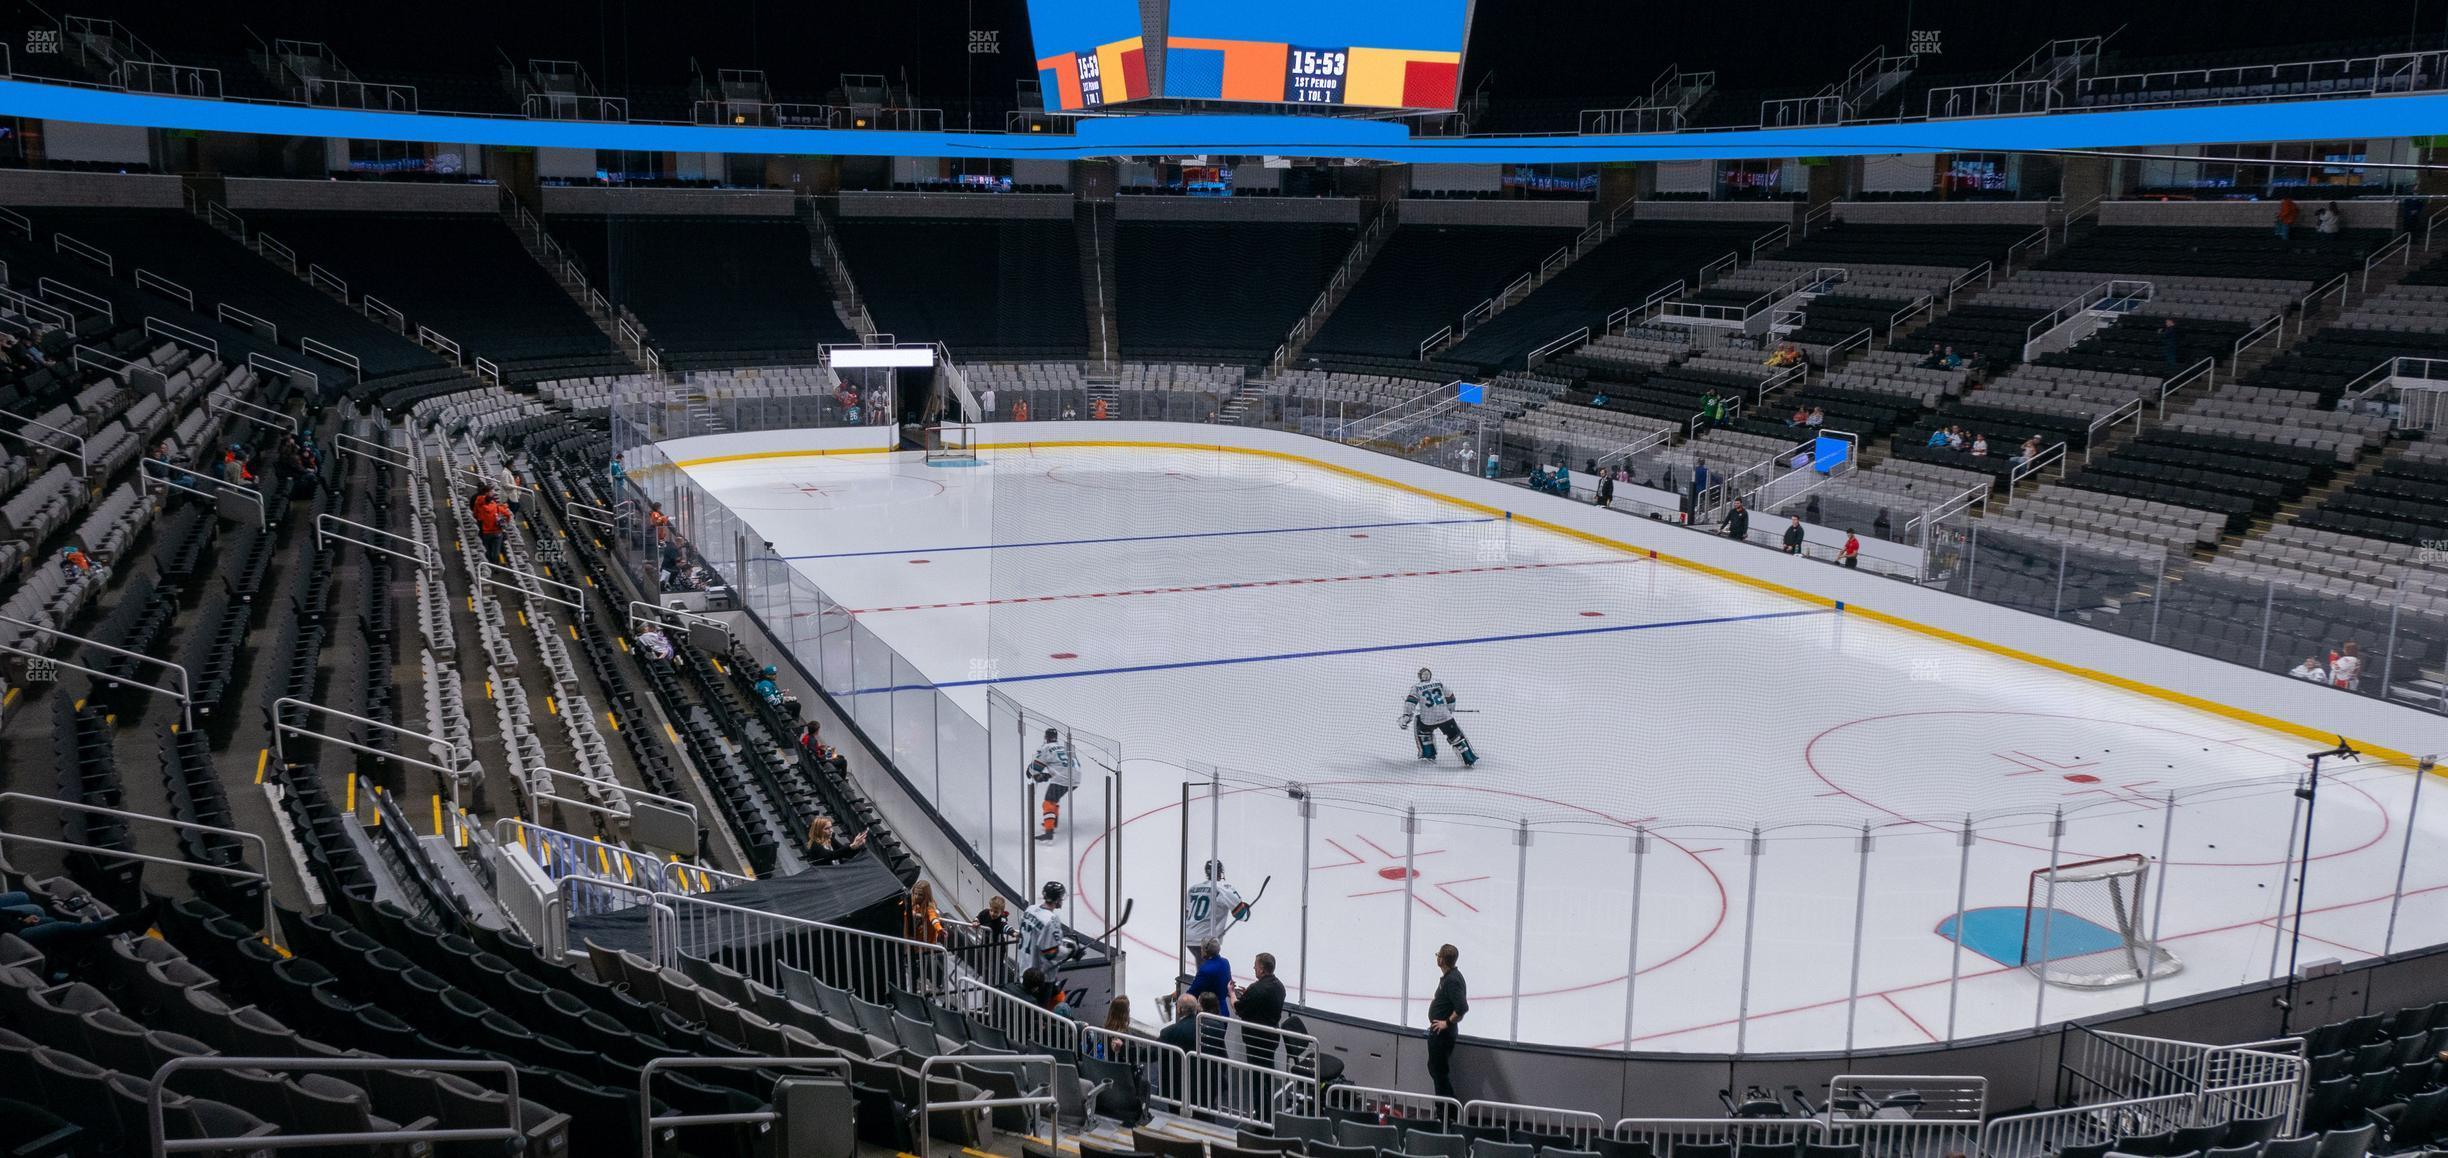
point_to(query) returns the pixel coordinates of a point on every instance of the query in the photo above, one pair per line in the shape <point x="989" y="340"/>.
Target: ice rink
<point x="1657" y="746"/>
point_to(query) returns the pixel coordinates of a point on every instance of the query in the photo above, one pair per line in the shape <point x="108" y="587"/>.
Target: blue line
<point x="1374" y="647"/>
<point x="1144" y="538"/>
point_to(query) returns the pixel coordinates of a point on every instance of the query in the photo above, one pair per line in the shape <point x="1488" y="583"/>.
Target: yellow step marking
<point x="437" y="811"/>
<point x="352" y="793"/>
<point x="613" y="720"/>
<point x="549" y="708"/>
<point x="263" y="756"/>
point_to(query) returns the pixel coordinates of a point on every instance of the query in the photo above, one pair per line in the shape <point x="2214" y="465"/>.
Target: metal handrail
<point x="368" y="448"/>
<point x="263" y="849"/>
<point x="648" y="1120"/>
<point x="237" y="407"/>
<point x="328" y="352"/>
<point x="263" y="361"/>
<point x="576" y="601"/>
<point x="2401" y="247"/>
<point x="226" y="312"/>
<point x="2206" y="370"/>
<point x="927" y="1108"/>
<point x="147" y="279"/>
<point x="677" y="617"/>
<point x="21" y="436"/>
<point x="2091" y="434"/>
<point x="61" y="242"/>
<point x="2272" y="326"/>
<point x="2054" y="453"/>
<point x="49" y="287"/>
<point x="182" y="334"/>
<point x="163" y="1144"/>
<point x="271" y="246"/>
<point x="263" y="515"/>
<point x="324" y="534"/>
<point x="281" y="727"/>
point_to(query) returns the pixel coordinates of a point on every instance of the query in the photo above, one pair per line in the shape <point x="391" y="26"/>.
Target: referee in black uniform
<point x="1445" y="1012"/>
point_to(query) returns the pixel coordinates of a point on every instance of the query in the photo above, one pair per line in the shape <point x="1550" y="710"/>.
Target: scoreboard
<point x="1397" y="54"/>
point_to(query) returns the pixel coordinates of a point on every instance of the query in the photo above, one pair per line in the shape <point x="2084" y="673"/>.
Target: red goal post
<point x="951" y="441"/>
<point x="2083" y="924"/>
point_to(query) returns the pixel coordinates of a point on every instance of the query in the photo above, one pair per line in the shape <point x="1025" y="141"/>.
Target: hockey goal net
<point x="2083" y="925"/>
<point x="951" y="442"/>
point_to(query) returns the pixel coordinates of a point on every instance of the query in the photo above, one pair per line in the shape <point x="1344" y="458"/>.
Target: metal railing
<point x="2400" y="247"/>
<point x="651" y="1123"/>
<point x="2203" y="373"/>
<point x="62" y="243"/>
<point x="2272" y="329"/>
<point x="1027" y="1024"/>
<point x="78" y="298"/>
<point x="182" y="335"/>
<point x="331" y="353"/>
<point x="381" y="311"/>
<point x="270" y="929"/>
<point x="44" y="312"/>
<point x="927" y="1107"/>
<point x="2131" y="410"/>
<point x="2333" y="288"/>
<point x="232" y="314"/>
<point x="147" y="279"/>
<point x="262" y="361"/>
<point x="868" y="964"/>
<point x="509" y="1135"/>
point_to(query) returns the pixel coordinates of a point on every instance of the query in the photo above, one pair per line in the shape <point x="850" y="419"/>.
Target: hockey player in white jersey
<point x="1211" y="908"/>
<point x="1054" y="768"/>
<point x="1042" y="937"/>
<point x="1428" y="709"/>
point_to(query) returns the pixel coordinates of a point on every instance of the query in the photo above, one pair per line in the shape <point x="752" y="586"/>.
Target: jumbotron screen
<point x="1090" y="53"/>
<point x="1404" y="54"/>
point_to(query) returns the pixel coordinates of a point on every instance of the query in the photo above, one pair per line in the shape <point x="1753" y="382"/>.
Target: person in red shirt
<point x="490" y="513"/>
<point x="1852" y="550"/>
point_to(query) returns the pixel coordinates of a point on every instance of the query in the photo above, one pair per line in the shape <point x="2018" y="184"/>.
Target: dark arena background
<point x="784" y="579"/>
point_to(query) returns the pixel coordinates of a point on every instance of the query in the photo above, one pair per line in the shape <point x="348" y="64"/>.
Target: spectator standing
<point x="986" y="402"/>
<point x="1881" y="527"/>
<point x="1020" y="410"/>
<point x="995" y="919"/>
<point x="2169" y="349"/>
<point x="1182" y="1032"/>
<point x="620" y="478"/>
<point x="920" y="920"/>
<point x="1737" y="525"/>
<point x="1445" y="1012"/>
<point x="1606" y="489"/>
<point x="1261" y="1010"/>
<point x="1851" y="558"/>
<point x="1700" y="479"/>
<point x="2346" y="667"/>
<point x="489" y="513"/>
<point x="1793" y="536"/>
<point x="1214" y="976"/>
<point x="2287" y="214"/>
<point x="661" y="522"/>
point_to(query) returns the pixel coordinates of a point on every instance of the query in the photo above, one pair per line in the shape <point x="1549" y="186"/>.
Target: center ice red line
<point x="1230" y="586"/>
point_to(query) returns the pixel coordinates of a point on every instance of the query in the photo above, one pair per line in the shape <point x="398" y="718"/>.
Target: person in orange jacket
<point x="490" y="513"/>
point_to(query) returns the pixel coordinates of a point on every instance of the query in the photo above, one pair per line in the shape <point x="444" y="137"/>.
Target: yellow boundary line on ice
<point x="2122" y="683"/>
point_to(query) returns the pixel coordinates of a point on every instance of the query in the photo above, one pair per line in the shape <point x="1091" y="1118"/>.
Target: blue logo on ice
<point x="1998" y="933"/>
